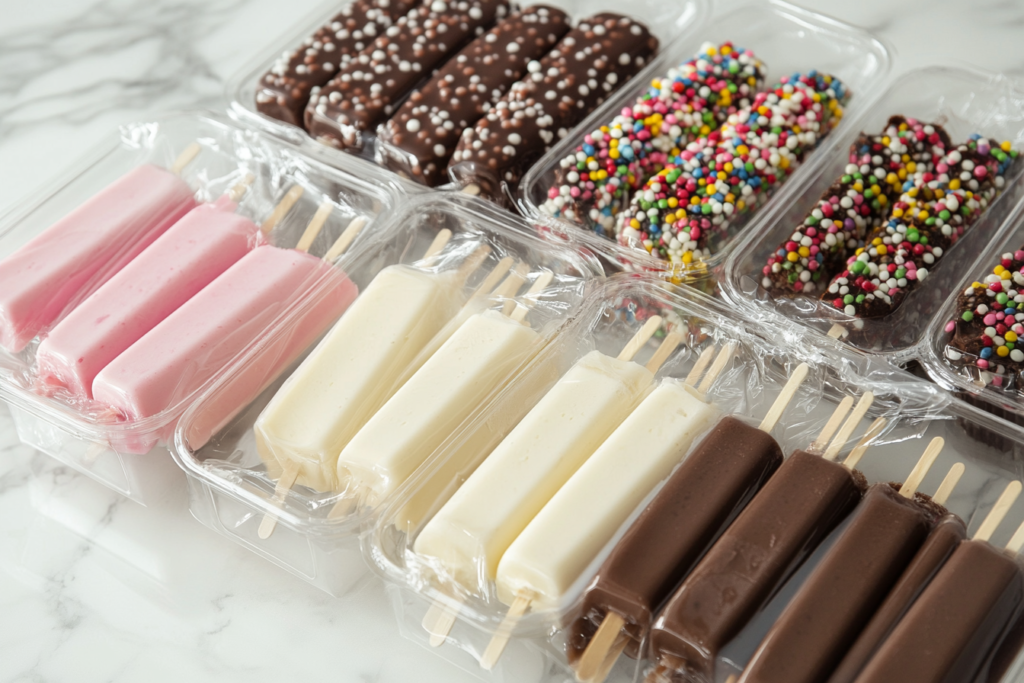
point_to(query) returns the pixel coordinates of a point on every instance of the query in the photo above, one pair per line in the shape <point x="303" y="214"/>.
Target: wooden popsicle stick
<point x="440" y="618"/>
<point x="599" y="646"/>
<point x="323" y="212"/>
<point x="924" y="463"/>
<point x="504" y="632"/>
<point x="493" y="277"/>
<point x="837" y="331"/>
<point x="435" y="248"/>
<point x="542" y="281"/>
<point x="609" y="661"/>
<point x="510" y="286"/>
<point x="998" y="511"/>
<point x="239" y="188"/>
<point x="472" y="190"/>
<point x="865" y="442"/>
<point x="849" y="426"/>
<point x="472" y="263"/>
<point x="724" y="356"/>
<point x="93" y="453"/>
<point x="346" y="238"/>
<point x="699" y="366"/>
<point x="1017" y="541"/>
<point x="669" y="344"/>
<point x="785" y="396"/>
<point x="731" y="679"/>
<point x="642" y="336"/>
<point x="949" y="483"/>
<point x="284" y="484"/>
<point x="832" y="425"/>
<point x="282" y="209"/>
<point x="185" y="158"/>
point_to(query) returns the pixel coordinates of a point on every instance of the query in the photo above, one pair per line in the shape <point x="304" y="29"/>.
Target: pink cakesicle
<point x="181" y="262"/>
<point x="73" y="257"/>
<point x="201" y="338"/>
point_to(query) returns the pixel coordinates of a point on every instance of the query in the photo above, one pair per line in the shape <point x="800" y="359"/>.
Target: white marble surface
<point x="95" y="588"/>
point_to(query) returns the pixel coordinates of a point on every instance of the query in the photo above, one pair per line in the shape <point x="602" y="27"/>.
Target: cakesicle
<point x="428" y="125"/>
<point x="58" y="268"/>
<point x="336" y="389"/>
<point x="186" y="258"/>
<point x="283" y="92"/>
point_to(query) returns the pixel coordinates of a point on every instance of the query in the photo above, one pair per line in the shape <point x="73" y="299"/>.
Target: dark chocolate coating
<point x="843" y="592"/>
<point x="367" y="91"/>
<point x="597" y="56"/>
<point x="780" y="527"/>
<point x="428" y="125"/>
<point x="725" y="471"/>
<point x="951" y="631"/>
<point x="283" y="91"/>
<point x="937" y="548"/>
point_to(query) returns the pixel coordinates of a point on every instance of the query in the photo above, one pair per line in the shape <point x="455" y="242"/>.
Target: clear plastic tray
<point x="916" y="411"/>
<point x="967" y="380"/>
<point x="965" y="101"/>
<point x="665" y="19"/>
<point x="118" y="453"/>
<point x="788" y="39"/>
<point x="229" y="489"/>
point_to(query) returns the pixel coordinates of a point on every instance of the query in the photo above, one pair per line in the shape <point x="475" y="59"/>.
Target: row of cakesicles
<point x="497" y="97"/>
<point x="149" y="294"/>
<point x="394" y="378"/>
<point x="517" y="520"/>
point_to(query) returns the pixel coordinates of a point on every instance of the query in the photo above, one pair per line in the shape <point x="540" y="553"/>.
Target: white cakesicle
<point x="553" y="551"/>
<point x="353" y="371"/>
<point x="468" y="536"/>
<point x="477" y="359"/>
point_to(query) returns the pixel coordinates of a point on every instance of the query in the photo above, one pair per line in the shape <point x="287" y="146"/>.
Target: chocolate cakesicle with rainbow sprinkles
<point x="594" y="182"/>
<point x="684" y="212"/>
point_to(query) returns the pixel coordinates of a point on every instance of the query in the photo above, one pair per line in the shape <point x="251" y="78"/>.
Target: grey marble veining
<point x="94" y="588"/>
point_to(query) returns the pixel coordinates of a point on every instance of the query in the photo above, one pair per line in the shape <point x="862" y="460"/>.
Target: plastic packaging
<point x="964" y="101"/>
<point x="957" y="370"/>
<point x="105" y="443"/>
<point x="765" y="356"/>
<point x="319" y="520"/>
<point x="665" y="19"/>
<point x="788" y="40"/>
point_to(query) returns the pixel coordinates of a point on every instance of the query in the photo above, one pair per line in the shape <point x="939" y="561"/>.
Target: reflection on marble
<point x="96" y="588"/>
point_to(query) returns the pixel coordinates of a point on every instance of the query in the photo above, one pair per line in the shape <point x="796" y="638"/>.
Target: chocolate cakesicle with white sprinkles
<point x="369" y="89"/>
<point x="589" y="63"/>
<point x="420" y="138"/>
<point x="283" y="91"/>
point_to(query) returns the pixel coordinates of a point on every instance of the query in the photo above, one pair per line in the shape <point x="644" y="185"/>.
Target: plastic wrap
<point x="764" y="357"/>
<point x="234" y="467"/>
<point x="964" y="102"/>
<point x="108" y="436"/>
<point x="665" y="19"/>
<point x="788" y="40"/>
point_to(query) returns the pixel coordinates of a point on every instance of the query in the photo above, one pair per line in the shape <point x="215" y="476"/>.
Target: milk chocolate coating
<point x="843" y="592"/>
<point x="601" y="53"/>
<point x="367" y="91"/>
<point x="428" y="125"/>
<point x="780" y="527"/>
<point x="951" y="631"/>
<point x="283" y="91"/>
<point x="937" y="548"/>
<point x="725" y="470"/>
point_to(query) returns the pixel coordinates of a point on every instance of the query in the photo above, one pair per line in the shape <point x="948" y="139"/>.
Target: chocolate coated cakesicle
<point x="697" y="501"/>
<point x="282" y="92"/>
<point x="940" y="544"/>
<point x="428" y="125"/>
<point x="951" y="631"/>
<point x="601" y="53"/>
<point x="844" y="590"/>
<point x="799" y="506"/>
<point x="366" y="92"/>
